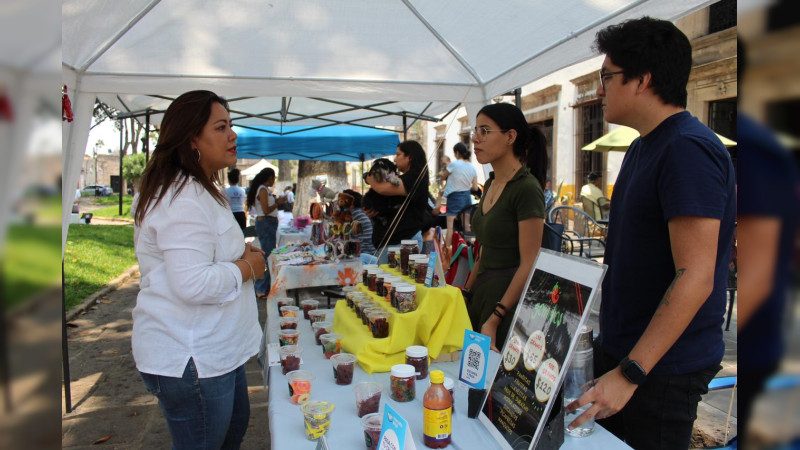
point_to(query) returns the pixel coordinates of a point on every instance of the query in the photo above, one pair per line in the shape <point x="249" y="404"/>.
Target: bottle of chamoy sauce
<point x="437" y="412"/>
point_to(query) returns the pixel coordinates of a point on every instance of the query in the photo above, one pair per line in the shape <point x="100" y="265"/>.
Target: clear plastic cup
<point x="288" y="323"/>
<point x="343" y="367"/>
<point x="317" y="315"/>
<point x="299" y="385"/>
<point x="288" y="337"/>
<point x="290" y="357"/>
<point x="289" y="311"/>
<point x="309" y="305"/>
<point x="368" y="397"/>
<point x="331" y="344"/>
<point x="321" y="328"/>
<point x="284" y="301"/>
<point x="372" y="429"/>
<point x="317" y="416"/>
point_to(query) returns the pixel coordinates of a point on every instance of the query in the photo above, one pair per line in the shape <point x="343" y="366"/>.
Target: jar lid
<point x="409" y="242"/>
<point x="309" y="301"/>
<point x="406" y="288"/>
<point x="423" y="260"/>
<point x="392" y="278"/>
<point x="416" y="351"/>
<point x="416" y="256"/>
<point x="394" y="249"/>
<point x="448" y="383"/>
<point x="403" y="370"/>
<point x="369" y="266"/>
<point x="375" y="271"/>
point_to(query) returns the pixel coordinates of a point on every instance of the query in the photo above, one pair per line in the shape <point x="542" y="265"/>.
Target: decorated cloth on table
<point x="438" y="323"/>
<point x="343" y="273"/>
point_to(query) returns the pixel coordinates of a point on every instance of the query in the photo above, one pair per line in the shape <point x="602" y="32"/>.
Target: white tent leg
<point x="75" y="136"/>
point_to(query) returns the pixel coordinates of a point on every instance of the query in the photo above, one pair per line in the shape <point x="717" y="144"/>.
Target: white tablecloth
<point x="286" y="419"/>
<point x="286" y="235"/>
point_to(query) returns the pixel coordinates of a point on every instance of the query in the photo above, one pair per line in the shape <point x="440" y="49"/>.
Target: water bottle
<point x="579" y="378"/>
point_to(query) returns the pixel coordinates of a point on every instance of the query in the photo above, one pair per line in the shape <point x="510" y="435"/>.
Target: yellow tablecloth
<point x="438" y="323"/>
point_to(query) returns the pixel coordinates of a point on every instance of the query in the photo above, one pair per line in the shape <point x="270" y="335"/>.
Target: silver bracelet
<point x="252" y="272"/>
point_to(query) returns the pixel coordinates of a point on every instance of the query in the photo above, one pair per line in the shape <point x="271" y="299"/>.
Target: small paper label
<point x="272" y="354"/>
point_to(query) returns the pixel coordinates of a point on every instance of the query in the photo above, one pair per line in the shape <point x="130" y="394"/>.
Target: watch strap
<point x="632" y="371"/>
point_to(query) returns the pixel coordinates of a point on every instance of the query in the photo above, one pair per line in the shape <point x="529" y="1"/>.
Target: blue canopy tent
<point x="331" y="143"/>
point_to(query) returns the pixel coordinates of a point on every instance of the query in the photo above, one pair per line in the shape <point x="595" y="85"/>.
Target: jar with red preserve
<point x="321" y="328"/>
<point x="379" y="284"/>
<point x="284" y="301"/>
<point x="417" y="357"/>
<point x="288" y="323"/>
<point x="343" y="366"/>
<point x="309" y="305"/>
<point x="364" y="273"/>
<point x="402" y="383"/>
<point x="290" y="357"/>
<point x="367" y="312"/>
<point x="420" y="269"/>
<point x="393" y="254"/>
<point x="372" y="278"/>
<point x="379" y="322"/>
<point x="388" y="282"/>
<point x="407" y="247"/>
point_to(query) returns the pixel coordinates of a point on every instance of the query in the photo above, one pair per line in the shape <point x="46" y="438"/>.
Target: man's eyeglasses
<point x="606" y="75"/>
<point x="481" y="132"/>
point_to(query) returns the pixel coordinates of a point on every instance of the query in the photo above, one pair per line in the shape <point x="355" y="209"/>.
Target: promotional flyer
<point x="555" y="303"/>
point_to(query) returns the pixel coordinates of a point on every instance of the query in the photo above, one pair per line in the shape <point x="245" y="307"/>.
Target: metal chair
<point x="604" y="203"/>
<point x="592" y="208"/>
<point x="582" y="235"/>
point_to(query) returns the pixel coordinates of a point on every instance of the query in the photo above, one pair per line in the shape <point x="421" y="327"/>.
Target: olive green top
<point x="498" y="230"/>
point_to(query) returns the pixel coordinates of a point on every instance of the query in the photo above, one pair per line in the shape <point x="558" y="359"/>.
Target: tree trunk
<point x="305" y="195"/>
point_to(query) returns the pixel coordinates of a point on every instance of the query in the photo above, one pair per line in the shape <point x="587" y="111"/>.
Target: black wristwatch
<point x="467" y="293"/>
<point x="633" y="371"/>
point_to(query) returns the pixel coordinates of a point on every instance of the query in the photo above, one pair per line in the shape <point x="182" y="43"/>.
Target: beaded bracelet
<point x="252" y="272"/>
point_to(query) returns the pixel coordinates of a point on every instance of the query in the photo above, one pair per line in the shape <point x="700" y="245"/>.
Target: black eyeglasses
<point x="606" y="75"/>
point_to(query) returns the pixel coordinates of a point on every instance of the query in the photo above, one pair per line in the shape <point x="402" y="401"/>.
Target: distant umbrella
<point x="619" y="139"/>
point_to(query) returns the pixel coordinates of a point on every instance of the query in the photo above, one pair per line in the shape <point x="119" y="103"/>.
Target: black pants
<point x="751" y="384"/>
<point x="241" y="219"/>
<point x="662" y="411"/>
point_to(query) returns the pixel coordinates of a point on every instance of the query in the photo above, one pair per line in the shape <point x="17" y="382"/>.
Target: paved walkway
<point x="113" y="409"/>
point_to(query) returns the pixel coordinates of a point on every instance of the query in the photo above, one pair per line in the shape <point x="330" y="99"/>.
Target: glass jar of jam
<point x="402" y="383"/>
<point x="420" y="269"/>
<point x="372" y="278"/>
<point x="393" y="253"/>
<point x="407" y="247"/>
<point x="379" y="322"/>
<point x="364" y="273"/>
<point x="388" y="282"/>
<point x="406" y="298"/>
<point x="417" y="356"/>
<point x="379" y="284"/>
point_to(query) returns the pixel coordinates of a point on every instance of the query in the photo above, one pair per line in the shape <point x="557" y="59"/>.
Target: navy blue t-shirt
<point x="768" y="180"/>
<point x="679" y="169"/>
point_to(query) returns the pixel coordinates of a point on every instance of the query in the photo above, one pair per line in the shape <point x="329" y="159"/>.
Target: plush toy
<point x="325" y="193"/>
<point x="342" y="213"/>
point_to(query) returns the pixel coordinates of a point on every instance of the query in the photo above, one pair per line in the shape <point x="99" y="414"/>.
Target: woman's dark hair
<point x="651" y="45"/>
<point x="262" y="177"/>
<point x="461" y="151"/>
<point x="233" y="177"/>
<point x="413" y="150"/>
<point x="174" y="159"/>
<point x="530" y="147"/>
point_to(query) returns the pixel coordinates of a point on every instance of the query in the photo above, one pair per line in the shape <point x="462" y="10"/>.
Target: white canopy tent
<point x="426" y="56"/>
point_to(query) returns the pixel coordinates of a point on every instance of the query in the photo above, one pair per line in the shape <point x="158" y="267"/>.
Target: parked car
<point x="98" y="190"/>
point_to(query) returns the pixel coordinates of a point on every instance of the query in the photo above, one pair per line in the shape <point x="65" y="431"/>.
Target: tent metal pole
<point x="518" y="97"/>
<point x="405" y="126"/>
<point x="4" y="369"/>
<point x="121" y="154"/>
<point x="64" y="346"/>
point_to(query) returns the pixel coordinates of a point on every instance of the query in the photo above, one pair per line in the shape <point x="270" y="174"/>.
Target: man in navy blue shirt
<point x="668" y="247"/>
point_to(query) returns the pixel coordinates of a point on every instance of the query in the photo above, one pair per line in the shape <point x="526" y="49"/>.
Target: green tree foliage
<point x="132" y="168"/>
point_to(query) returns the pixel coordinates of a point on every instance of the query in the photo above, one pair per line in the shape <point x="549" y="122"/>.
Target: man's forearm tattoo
<point x="668" y="295"/>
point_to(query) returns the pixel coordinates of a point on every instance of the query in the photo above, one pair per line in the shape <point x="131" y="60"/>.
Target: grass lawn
<point x="110" y="200"/>
<point x="113" y="209"/>
<point x="95" y="255"/>
<point x="31" y="261"/>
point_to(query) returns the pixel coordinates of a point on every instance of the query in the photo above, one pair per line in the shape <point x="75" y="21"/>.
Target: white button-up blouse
<point x="192" y="302"/>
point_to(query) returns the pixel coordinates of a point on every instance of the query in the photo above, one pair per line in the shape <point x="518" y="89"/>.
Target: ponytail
<point x="536" y="155"/>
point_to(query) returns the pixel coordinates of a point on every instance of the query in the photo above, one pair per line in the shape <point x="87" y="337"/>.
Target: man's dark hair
<point x="593" y="176"/>
<point x="651" y="45"/>
<point x="356" y="197"/>
<point x="233" y="177"/>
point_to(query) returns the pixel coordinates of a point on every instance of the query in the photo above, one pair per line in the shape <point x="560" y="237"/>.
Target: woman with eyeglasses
<point x="509" y="219"/>
<point x="195" y="323"/>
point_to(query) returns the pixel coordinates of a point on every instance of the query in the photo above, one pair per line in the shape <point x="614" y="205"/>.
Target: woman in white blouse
<point x="266" y="206"/>
<point x="195" y="323"/>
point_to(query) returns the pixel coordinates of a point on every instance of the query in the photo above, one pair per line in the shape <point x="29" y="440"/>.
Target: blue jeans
<point x="267" y="231"/>
<point x="203" y="413"/>
<point x="457" y="202"/>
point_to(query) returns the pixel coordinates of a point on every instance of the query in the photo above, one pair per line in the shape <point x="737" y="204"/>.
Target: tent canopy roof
<point x="335" y="143"/>
<point x="443" y="52"/>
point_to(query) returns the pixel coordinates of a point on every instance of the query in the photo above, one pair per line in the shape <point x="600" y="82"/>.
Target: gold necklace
<point x="497" y="188"/>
